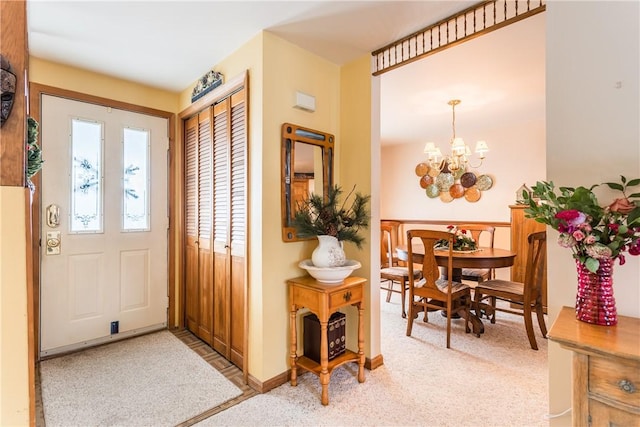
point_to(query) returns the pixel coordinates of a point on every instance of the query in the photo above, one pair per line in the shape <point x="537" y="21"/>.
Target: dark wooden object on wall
<point x="13" y="134"/>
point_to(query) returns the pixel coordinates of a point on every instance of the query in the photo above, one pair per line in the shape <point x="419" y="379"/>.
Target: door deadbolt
<point x="53" y="242"/>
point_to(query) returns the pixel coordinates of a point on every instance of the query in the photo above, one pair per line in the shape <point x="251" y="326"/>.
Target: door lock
<point x="53" y="243"/>
<point x="53" y="215"/>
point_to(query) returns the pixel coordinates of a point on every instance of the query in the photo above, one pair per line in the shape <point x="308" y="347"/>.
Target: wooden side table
<point x="606" y="369"/>
<point x="323" y="300"/>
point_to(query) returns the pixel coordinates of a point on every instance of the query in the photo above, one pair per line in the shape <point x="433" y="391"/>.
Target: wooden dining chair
<point x="477" y="231"/>
<point x="432" y="292"/>
<point x="479" y="274"/>
<point x="527" y="295"/>
<point x="391" y="273"/>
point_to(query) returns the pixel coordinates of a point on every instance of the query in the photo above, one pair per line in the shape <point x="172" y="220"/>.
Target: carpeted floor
<point x="152" y="380"/>
<point x="494" y="380"/>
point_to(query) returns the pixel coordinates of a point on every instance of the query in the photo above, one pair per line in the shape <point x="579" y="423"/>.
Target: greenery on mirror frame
<point x="316" y="216"/>
<point x="591" y="231"/>
<point x="34" y="153"/>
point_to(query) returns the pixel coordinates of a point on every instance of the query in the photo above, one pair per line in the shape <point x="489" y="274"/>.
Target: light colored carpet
<point x="494" y="380"/>
<point x="152" y="380"/>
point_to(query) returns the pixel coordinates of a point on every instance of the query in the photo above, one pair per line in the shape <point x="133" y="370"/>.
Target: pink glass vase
<point x="594" y="301"/>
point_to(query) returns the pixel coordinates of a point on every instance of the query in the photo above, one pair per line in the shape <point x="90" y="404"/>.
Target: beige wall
<point x="592" y="136"/>
<point x="14" y="400"/>
<point x="84" y="81"/>
<point x="355" y="152"/>
<point x="517" y="156"/>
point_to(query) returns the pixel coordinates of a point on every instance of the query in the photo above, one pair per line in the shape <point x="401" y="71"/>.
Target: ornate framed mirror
<point x="307" y="167"/>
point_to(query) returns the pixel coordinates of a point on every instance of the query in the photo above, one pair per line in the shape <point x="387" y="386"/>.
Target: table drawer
<point x="617" y="380"/>
<point x="345" y="297"/>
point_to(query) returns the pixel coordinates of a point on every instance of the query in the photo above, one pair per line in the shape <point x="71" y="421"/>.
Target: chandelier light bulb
<point x="429" y="148"/>
<point x="460" y="152"/>
<point x="481" y="148"/>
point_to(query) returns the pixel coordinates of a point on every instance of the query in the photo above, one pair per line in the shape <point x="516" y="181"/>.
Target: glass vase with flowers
<point x="597" y="235"/>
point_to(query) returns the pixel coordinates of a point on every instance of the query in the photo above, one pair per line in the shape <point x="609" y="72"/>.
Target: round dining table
<point x="484" y="257"/>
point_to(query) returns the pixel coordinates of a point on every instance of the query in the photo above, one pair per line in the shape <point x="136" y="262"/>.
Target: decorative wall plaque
<point x="448" y="186"/>
<point x="8" y="82"/>
<point x="206" y="84"/>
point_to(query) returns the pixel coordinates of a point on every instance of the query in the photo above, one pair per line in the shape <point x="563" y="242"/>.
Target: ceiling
<point x="170" y="44"/>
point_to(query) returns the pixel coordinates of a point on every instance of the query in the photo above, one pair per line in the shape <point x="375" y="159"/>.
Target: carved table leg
<point x="360" y="343"/>
<point x="324" y="362"/>
<point x="294" y="347"/>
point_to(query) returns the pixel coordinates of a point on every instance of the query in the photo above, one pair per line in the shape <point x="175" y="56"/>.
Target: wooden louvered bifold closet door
<point x="191" y="224"/>
<point x="229" y="225"/>
<point x="198" y="255"/>
<point x="215" y="224"/>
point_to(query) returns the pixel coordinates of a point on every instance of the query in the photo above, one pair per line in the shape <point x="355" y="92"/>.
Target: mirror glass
<point x="307" y="167"/>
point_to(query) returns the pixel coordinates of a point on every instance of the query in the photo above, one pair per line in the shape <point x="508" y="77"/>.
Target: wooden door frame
<point x="36" y="91"/>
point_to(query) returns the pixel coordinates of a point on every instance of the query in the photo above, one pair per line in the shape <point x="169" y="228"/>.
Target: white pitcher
<point x="329" y="252"/>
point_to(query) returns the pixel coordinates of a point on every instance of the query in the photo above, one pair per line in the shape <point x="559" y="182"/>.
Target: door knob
<point x="53" y="215"/>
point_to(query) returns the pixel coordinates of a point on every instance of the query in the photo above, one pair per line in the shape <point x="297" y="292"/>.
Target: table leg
<point x="293" y="350"/>
<point x="476" y="323"/>
<point x="360" y="343"/>
<point x="324" y="362"/>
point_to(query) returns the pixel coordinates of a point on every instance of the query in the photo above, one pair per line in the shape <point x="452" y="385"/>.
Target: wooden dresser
<point x="606" y="369"/>
<point x="521" y="227"/>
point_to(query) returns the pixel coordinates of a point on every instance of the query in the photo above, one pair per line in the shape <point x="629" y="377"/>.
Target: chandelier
<point x="458" y="159"/>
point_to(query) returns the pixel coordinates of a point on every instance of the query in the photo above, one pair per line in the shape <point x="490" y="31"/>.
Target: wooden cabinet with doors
<point x="215" y="225"/>
<point x="521" y="227"/>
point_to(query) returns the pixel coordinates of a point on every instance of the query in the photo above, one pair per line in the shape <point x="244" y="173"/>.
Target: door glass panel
<point x="135" y="203"/>
<point x="86" y="176"/>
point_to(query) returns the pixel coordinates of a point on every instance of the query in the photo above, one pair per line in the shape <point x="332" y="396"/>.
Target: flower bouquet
<point x="596" y="235"/>
<point x="591" y="231"/>
<point x="463" y="241"/>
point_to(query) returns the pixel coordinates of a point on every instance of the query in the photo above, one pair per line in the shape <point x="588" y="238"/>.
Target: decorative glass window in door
<point x="135" y="203"/>
<point x="86" y="176"/>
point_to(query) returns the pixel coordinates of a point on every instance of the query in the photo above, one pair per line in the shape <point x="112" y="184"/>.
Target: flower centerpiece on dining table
<point x="597" y="235"/>
<point x="463" y="241"/>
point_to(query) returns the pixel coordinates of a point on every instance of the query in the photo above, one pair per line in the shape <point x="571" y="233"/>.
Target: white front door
<point x="104" y="224"/>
